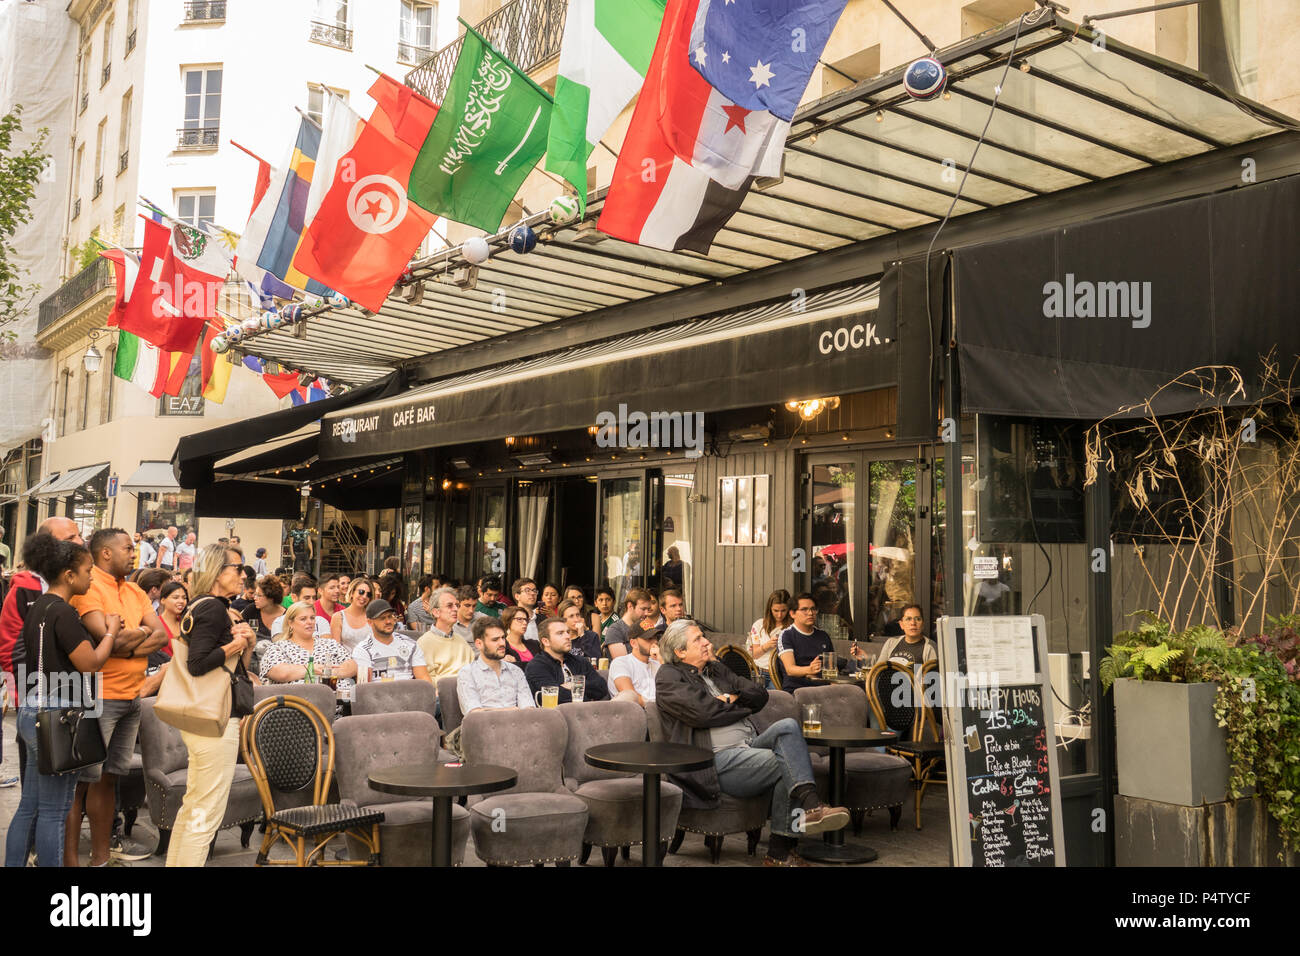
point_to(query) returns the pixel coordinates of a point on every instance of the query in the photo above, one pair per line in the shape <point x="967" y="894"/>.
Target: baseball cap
<point x="377" y="608"/>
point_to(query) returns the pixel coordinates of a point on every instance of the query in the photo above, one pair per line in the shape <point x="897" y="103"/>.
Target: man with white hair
<point x="703" y="703"/>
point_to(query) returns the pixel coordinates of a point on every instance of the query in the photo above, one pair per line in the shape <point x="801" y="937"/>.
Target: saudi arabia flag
<point x="137" y="360"/>
<point x="603" y="61"/>
<point x="489" y="133"/>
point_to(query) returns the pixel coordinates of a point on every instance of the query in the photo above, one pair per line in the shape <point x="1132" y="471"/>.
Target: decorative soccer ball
<point x="476" y="250"/>
<point x="925" y="79"/>
<point x="268" y="320"/>
<point x="234" y="334"/>
<point x="339" y="300"/>
<point x="220" y="345"/>
<point x="563" y="209"/>
<point x="251" y="325"/>
<point x="290" y="313"/>
<point x="522" y="239"/>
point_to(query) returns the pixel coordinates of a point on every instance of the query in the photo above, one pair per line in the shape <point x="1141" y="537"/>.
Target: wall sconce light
<point x="510" y="441"/>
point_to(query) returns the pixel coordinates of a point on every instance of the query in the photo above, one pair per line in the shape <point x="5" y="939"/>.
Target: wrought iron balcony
<point x="206" y="137"/>
<point x="94" y="278"/>
<point x="331" y="34"/>
<point x="123" y="161"/>
<point x="130" y="42"/>
<point x="99" y="186"/>
<point x="85" y="101"/>
<point x="198" y="11"/>
<point x="76" y="207"/>
<point x="104" y="74"/>
<point x="527" y="32"/>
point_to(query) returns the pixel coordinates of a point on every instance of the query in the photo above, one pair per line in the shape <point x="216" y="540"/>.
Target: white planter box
<point x="1169" y="746"/>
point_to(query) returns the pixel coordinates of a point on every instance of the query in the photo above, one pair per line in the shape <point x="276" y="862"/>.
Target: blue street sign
<point x="112" y="486"/>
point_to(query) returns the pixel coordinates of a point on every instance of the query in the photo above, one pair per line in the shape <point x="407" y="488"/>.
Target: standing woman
<point x="259" y="566"/>
<point x="266" y="607"/>
<point x="349" y="625"/>
<point x="213" y="641"/>
<point x="172" y="601"/>
<point x="65" y="649"/>
<point x="763" y="635"/>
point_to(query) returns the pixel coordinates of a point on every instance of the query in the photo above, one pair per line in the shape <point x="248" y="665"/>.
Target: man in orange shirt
<point x="112" y="596"/>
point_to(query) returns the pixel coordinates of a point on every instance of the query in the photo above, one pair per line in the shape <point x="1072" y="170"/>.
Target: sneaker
<point x="794" y="859"/>
<point x="8" y="782"/>
<point x="824" y="819"/>
<point x="124" y="848"/>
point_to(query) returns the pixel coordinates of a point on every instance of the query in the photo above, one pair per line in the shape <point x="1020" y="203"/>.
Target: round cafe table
<point x="833" y="848"/>
<point x="650" y="759"/>
<point x="442" y="781"/>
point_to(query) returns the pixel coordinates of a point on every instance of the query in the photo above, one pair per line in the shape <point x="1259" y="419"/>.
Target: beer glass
<point x="578" y="688"/>
<point x="828" y="664"/>
<point x="547" y="697"/>
<point x="812" y="718"/>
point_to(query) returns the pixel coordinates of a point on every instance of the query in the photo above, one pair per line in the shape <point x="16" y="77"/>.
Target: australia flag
<point x="760" y="54"/>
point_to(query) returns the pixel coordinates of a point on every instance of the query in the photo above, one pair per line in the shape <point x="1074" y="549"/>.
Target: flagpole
<point x="488" y="43"/>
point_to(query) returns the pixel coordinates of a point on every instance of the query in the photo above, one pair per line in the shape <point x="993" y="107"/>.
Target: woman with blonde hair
<point x="285" y="661"/>
<point x="349" y="625"/>
<point x="212" y="640"/>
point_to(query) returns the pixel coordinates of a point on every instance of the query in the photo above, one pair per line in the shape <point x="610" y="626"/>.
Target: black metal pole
<point x="442" y="831"/>
<point x="650" y="819"/>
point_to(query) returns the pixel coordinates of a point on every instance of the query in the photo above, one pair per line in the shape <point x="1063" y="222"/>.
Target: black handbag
<point x="241" y="690"/>
<point x="66" y="739"/>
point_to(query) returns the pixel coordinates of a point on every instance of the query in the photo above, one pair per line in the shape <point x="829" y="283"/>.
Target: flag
<point x="254" y="364"/>
<point x="136" y="361"/>
<point x="181" y="274"/>
<point x="126" y="269"/>
<point x="314" y="392"/>
<point x="603" y="61"/>
<point x="488" y="135"/>
<point x="263" y="176"/>
<point x="282" y="383"/>
<point x="761" y="55"/>
<point x="655" y="198"/>
<point x="275" y="229"/>
<point x="173" y="369"/>
<point x="213" y="367"/>
<point x="365" y="230"/>
<point x="701" y="125"/>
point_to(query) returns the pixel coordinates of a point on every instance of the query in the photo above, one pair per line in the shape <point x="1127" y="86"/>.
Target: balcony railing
<point x="197" y="11"/>
<point x="331" y="34"/>
<point x="412" y="53"/>
<point x="94" y="278"/>
<point x="123" y="161"/>
<point x="99" y="186"/>
<point x="104" y="74"/>
<point x="527" y="32"/>
<point x="204" y="138"/>
<point x="76" y="207"/>
<point x="130" y="42"/>
<point x="85" y="101"/>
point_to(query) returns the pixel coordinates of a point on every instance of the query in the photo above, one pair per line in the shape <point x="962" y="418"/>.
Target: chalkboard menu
<point x="1004" y="801"/>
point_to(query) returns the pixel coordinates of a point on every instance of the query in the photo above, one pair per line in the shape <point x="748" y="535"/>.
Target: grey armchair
<point x="372" y="741"/>
<point x="614" y="800"/>
<point x="166" y="767"/>
<point x="542" y="821"/>
<point x="397" y="696"/>
<point x="449" y="702"/>
<point x="872" y="780"/>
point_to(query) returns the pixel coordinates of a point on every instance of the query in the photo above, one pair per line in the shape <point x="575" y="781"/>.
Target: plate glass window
<point x="415" y="39"/>
<point x="203" y="99"/>
<point x="197" y="209"/>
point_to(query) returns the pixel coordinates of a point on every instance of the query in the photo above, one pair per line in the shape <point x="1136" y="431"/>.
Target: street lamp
<point x="93" y="358"/>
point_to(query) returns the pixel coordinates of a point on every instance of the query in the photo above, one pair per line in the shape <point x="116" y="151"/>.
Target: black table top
<point x="844" y="736"/>
<point x="442" y="779"/>
<point x="649" y="757"/>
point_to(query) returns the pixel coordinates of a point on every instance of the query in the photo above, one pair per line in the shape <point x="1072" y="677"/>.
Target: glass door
<point x="487" y="552"/>
<point x="622" y="561"/>
<point x="834" y="562"/>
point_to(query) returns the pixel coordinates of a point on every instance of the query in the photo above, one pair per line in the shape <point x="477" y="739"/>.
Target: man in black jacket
<point x="703" y="703"/>
<point x="556" y="666"/>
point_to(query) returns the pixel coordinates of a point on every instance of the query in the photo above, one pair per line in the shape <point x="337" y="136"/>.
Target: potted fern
<point x="1169" y="745"/>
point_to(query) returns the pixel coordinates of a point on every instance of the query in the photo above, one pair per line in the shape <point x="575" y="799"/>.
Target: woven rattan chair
<point x="900" y="712"/>
<point x="737" y="660"/>
<point x="288" y="746"/>
<point x="776" y="669"/>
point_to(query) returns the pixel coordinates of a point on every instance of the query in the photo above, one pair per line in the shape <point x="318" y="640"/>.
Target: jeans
<point x="44" y="805"/>
<point x="777" y="756"/>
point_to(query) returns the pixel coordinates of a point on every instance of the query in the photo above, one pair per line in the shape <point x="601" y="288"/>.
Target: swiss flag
<point x="365" y="231"/>
<point x="173" y="295"/>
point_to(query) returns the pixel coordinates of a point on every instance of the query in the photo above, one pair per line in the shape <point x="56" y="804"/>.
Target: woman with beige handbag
<point x="205" y="693"/>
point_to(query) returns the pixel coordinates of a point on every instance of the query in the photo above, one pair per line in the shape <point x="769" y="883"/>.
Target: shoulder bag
<point x="66" y="739"/>
<point x="201" y="705"/>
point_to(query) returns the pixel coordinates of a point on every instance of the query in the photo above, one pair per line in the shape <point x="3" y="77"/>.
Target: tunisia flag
<point x="690" y="155"/>
<point x="365" y="231"/>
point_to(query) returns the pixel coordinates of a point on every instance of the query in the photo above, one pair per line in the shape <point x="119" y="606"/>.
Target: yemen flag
<point x="607" y="49"/>
<point x="657" y="198"/>
<point x="489" y="134"/>
<point x="366" y="229"/>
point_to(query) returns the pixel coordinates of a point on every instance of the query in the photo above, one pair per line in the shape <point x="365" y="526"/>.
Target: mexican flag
<point x="603" y="62"/>
<point x="489" y="133"/>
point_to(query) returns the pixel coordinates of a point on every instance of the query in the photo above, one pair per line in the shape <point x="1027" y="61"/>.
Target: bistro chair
<point x="288" y="746"/>
<point x="901" y="713"/>
<point x="737" y="659"/>
<point x="320" y="696"/>
<point x="449" y="704"/>
<point x="776" y="669"/>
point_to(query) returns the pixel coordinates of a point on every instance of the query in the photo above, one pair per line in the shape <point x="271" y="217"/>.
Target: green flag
<point x="489" y="133"/>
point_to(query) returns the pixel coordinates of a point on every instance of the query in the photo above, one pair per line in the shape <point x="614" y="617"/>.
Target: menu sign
<point x="1003" y="794"/>
<point x="1008" y="778"/>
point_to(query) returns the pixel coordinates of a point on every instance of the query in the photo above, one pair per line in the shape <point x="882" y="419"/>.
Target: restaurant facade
<point x="888" y="419"/>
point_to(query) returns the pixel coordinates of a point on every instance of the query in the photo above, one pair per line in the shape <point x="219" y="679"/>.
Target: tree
<point x="20" y="170"/>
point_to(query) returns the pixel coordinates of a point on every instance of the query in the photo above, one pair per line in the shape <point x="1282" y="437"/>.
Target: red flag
<point x="263" y="175"/>
<point x="365" y="231"/>
<point x="281" y="384"/>
<point x="179" y="283"/>
<point x="655" y="198"/>
<point x="173" y="368"/>
<point x="126" y="267"/>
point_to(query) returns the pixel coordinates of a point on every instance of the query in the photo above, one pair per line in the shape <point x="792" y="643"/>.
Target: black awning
<point x="247" y="499"/>
<point x="196" y="454"/>
<point x="818" y="345"/>
<point x="1080" y="321"/>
